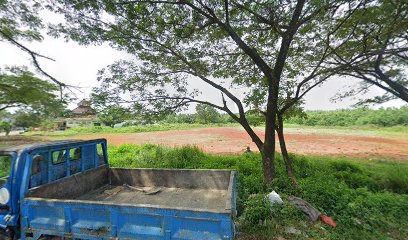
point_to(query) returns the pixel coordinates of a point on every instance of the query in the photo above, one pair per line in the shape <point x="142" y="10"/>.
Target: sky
<point x="78" y="66"/>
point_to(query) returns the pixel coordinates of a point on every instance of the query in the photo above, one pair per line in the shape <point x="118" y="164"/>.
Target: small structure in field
<point x="83" y="115"/>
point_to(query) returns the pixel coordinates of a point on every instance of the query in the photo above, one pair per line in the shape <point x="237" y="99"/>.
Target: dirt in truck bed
<point x="210" y="199"/>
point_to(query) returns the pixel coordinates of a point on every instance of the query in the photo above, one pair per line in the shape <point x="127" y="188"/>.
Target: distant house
<point x="84" y="109"/>
<point x="83" y="115"/>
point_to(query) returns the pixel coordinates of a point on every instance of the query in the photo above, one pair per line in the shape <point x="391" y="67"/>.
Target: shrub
<point x="257" y="208"/>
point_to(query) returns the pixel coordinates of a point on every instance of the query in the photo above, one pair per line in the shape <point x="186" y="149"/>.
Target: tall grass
<point x="368" y="200"/>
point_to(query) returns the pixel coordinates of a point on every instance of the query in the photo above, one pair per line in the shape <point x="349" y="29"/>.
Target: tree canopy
<point x="376" y="50"/>
<point x="20" y="88"/>
<point x="112" y="115"/>
<point x="277" y="51"/>
<point x="6" y="127"/>
<point x="207" y="114"/>
<point x="20" y="22"/>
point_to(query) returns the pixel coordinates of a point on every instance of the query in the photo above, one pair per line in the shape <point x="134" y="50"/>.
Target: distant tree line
<point x="345" y="117"/>
<point x="385" y="117"/>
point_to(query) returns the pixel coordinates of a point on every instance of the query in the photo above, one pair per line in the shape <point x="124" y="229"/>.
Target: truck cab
<point x="32" y="165"/>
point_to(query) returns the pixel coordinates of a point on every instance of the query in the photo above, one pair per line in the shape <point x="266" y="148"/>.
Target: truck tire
<point x="8" y="234"/>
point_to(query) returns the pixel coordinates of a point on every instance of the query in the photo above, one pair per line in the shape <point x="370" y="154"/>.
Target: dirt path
<point x="223" y="140"/>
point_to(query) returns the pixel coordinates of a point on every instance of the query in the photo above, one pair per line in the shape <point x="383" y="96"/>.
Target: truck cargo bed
<point x="171" y="197"/>
<point x="192" y="189"/>
<point x="112" y="203"/>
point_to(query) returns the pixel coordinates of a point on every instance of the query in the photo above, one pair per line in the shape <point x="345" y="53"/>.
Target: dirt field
<point x="233" y="140"/>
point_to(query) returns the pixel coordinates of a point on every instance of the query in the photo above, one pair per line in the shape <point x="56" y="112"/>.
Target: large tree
<point x="256" y="44"/>
<point x="206" y="114"/>
<point x="112" y="115"/>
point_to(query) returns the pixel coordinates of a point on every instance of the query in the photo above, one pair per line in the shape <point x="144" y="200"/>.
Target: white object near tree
<point x="274" y="197"/>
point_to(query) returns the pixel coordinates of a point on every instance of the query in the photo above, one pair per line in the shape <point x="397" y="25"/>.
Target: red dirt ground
<point x="231" y="140"/>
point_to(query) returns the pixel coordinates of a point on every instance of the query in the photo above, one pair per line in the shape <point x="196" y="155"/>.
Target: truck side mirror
<point x="4" y="196"/>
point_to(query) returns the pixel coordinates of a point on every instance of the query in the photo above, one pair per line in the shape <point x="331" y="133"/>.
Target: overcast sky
<point x="78" y="65"/>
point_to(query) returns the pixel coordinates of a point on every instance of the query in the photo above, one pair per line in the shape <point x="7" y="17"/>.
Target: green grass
<point x="130" y="129"/>
<point x="367" y="199"/>
<point x="374" y="131"/>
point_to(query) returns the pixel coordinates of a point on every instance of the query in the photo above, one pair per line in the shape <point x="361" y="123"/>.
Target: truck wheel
<point x="8" y="234"/>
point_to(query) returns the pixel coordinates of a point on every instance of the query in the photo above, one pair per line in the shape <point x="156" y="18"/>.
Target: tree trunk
<point x="285" y="155"/>
<point x="268" y="149"/>
<point x="268" y="163"/>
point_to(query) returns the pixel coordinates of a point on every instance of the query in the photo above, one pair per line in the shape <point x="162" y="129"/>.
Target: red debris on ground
<point x="328" y="220"/>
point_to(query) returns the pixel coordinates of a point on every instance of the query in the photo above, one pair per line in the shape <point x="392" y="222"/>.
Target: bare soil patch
<point x="7" y="141"/>
<point x="234" y="140"/>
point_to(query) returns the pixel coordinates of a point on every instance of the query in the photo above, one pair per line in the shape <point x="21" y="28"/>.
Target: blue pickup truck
<point x="66" y="190"/>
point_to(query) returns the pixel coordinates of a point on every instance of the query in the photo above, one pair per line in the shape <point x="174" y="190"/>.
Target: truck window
<point x="75" y="154"/>
<point x="99" y="150"/>
<point x="36" y="166"/>
<point x="58" y="157"/>
<point x="5" y="165"/>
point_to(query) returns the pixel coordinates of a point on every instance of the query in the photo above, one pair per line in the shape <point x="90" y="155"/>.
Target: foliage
<point x="376" y="51"/>
<point x="363" y="116"/>
<point x="192" y="119"/>
<point x="5" y="115"/>
<point x="19" y="20"/>
<point x="262" y="48"/>
<point x="5" y="166"/>
<point x="47" y="125"/>
<point x="257" y="208"/>
<point x="385" y="117"/>
<point x="27" y="119"/>
<point x="255" y="118"/>
<point x="206" y="114"/>
<point x="362" y="205"/>
<point x="19" y="88"/>
<point x="112" y="115"/>
<point x="6" y="127"/>
<point x="180" y="118"/>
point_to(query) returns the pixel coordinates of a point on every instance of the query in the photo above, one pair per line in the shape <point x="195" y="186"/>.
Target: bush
<point x="257" y="208"/>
